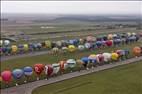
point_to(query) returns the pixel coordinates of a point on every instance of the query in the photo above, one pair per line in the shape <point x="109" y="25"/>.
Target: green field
<point x="121" y="80"/>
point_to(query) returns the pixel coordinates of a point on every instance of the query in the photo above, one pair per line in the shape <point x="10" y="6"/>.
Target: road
<point x="27" y="88"/>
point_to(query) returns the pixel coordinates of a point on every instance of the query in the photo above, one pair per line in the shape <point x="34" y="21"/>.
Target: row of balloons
<point x="70" y="45"/>
<point x="85" y="62"/>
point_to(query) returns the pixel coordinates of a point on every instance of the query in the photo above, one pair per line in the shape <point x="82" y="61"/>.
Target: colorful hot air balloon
<point x="92" y="58"/>
<point x="71" y="48"/>
<point x="48" y="44"/>
<point x="28" y="71"/>
<point x="38" y="69"/>
<point x="56" y="68"/>
<point x="63" y="66"/>
<point x="87" y="45"/>
<point x="6" y="76"/>
<point x="48" y="70"/>
<point x="100" y="58"/>
<point x="137" y="51"/>
<point x="114" y="56"/>
<point x="17" y="74"/>
<point x="71" y="63"/>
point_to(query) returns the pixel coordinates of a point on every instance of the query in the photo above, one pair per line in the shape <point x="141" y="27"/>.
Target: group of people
<point x="87" y="62"/>
<point x="90" y="42"/>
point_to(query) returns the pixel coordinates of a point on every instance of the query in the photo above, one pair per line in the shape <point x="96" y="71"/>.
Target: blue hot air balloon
<point x="85" y="59"/>
<point x="17" y="73"/>
<point x="28" y="71"/>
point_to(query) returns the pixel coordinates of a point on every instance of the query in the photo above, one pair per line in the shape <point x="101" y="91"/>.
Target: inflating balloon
<point x="110" y="36"/>
<point x="48" y="70"/>
<point x="85" y="61"/>
<point x="107" y="57"/>
<point x="56" y="68"/>
<point x="109" y="43"/>
<point x="71" y="48"/>
<point x="28" y="71"/>
<point x="87" y="45"/>
<point x="137" y="51"/>
<point x="114" y="56"/>
<point x="92" y="58"/>
<point x="71" y="63"/>
<point x="38" y="69"/>
<point x="6" y="76"/>
<point x="26" y="47"/>
<point x="48" y="44"/>
<point x="63" y="65"/>
<point x="14" y="48"/>
<point x="81" y="47"/>
<point x="17" y="73"/>
<point x="6" y="42"/>
<point x="90" y="39"/>
<point x="100" y="58"/>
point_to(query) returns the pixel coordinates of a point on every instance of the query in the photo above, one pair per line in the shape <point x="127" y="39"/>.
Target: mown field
<point x="124" y="79"/>
<point x="48" y="59"/>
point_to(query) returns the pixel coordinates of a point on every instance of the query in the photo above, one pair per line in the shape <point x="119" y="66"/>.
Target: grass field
<point x="121" y="80"/>
<point x="48" y="59"/>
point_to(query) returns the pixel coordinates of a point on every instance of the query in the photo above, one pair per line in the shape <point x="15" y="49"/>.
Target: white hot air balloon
<point x="6" y="42"/>
<point x="81" y="47"/>
<point x="56" y="68"/>
<point x="71" y="63"/>
<point x="107" y="57"/>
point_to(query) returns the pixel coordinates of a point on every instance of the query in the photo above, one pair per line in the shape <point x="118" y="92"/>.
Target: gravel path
<point x="27" y="88"/>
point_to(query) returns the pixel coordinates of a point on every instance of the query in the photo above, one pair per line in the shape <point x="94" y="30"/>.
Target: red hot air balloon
<point x="62" y="66"/>
<point x="48" y="70"/>
<point x="38" y="69"/>
<point x="6" y="76"/>
<point x="137" y="51"/>
<point x="109" y="42"/>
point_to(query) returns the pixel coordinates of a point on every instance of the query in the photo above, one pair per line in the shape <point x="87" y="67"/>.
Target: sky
<point x="72" y="7"/>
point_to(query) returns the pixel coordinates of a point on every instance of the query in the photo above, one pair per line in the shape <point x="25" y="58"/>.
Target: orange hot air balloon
<point x="62" y="66"/>
<point x="137" y="51"/>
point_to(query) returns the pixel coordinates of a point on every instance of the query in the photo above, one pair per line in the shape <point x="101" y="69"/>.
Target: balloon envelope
<point x="17" y="73"/>
<point x="28" y="71"/>
<point x="38" y="68"/>
<point x="56" y="68"/>
<point x="71" y="63"/>
<point x="48" y="70"/>
<point x="137" y="51"/>
<point x="6" y="76"/>
<point x="114" y="56"/>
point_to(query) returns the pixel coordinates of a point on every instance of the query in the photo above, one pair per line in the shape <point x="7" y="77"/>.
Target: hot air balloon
<point x="14" y="49"/>
<point x="28" y="71"/>
<point x="63" y="66"/>
<point x="114" y="56"/>
<point x="107" y="57"/>
<point x="85" y="61"/>
<point x="81" y="47"/>
<point x="6" y="42"/>
<point x="121" y="53"/>
<point x="87" y="45"/>
<point x="90" y="39"/>
<point x="109" y="43"/>
<point x="55" y="50"/>
<point x="137" y="51"/>
<point x="71" y="48"/>
<point x="110" y="36"/>
<point x="56" y="68"/>
<point x="26" y="47"/>
<point x="17" y="74"/>
<point x="6" y="76"/>
<point x="38" y="69"/>
<point x="65" y="49"/>
<point x="48" y="44"/>
<point x="100" y="59"/>
<point x="93" y="60"/>
<point x="99" y="44"/>
<point x="71" y="63"/>
<point x="49" y="70"/>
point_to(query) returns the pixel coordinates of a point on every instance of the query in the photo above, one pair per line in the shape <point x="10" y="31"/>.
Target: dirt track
<point x="27" y="88"/>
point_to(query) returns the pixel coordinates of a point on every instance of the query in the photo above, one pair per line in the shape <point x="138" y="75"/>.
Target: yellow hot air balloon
<point x="14" y="48"/>
<point x="71" y="48"/>
<point x="92" y="56"/>
<point x="114" y="56"/>
<point x="110" y="36"/>
<point x="26" y="47"/>
<point x="137" y="51"/>
<point x="48" y="44"/>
